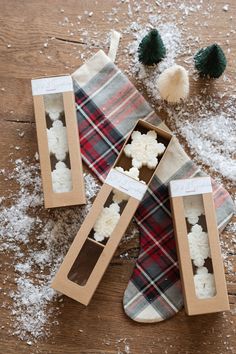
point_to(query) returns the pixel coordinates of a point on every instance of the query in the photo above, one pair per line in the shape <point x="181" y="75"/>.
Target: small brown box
<point x="198" y="247"/>
<point x="54" y="107"/>
<point x="87" y="259"/>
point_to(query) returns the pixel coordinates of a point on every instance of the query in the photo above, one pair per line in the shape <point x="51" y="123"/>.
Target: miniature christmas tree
<point x="173" y="84"/>
<point x="151" y="49"/>
<point x="210" y="61"/>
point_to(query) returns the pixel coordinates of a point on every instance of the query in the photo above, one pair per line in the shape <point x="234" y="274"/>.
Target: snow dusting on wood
<point x="36" y="239"/>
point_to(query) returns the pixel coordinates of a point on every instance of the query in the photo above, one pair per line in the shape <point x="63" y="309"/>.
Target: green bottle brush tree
<point x="151" y="48"/>
<point x="210" y="61"/>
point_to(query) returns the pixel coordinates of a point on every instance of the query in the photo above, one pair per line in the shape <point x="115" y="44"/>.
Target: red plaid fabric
<point x="100" y="141"/>
<point x="108" y="106"/>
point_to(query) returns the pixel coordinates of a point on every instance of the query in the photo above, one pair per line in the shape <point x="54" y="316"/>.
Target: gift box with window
<point x="197" y="240"/>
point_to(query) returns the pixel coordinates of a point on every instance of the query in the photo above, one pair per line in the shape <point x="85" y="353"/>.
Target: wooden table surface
<point x="35" y="40"/>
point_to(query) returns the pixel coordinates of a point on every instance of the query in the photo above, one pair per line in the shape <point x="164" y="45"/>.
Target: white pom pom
<point x="173" y="84"/>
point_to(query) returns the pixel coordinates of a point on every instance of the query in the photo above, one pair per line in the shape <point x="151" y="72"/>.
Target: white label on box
<point x="191" y="186"/>
<point x="47" y="85"/>
<point x="126" y="184"/>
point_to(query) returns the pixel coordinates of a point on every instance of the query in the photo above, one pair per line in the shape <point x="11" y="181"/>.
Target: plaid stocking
<point x="108" y="106"/>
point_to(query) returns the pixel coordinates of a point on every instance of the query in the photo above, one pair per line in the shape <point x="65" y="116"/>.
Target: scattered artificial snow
<point x="37" y="247"/>
<point x="36" y="239"/>
<point x="210" y="132"/>
<point x="171" y="37"/>
<point x="206" y="122"/>
<point x="225" y="7"/>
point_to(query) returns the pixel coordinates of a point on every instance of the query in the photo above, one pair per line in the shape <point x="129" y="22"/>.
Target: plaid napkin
<point x="108" y="106"/>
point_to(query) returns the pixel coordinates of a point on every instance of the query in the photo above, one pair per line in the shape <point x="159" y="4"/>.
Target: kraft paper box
<point x="58" y="141"/>
<point x="198" y="247"/>
<point x="88" y="258"/>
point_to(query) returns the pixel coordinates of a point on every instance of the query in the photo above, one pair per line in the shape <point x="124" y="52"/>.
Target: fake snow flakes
<point x="207" y="126"/>
<point x="106" y="222"/>
<point x="61" y="178"/>
<point x="204" y="283"/>
<point x="225" y="8"/>
<point x="144" y="149"/>
<point x="120" y="196"/>
<point x="198" y="245"/>
<point x="57" y="140"/>
<point x="35" y="241"/>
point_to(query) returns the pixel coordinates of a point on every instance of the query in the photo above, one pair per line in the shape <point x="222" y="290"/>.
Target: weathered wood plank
<point x="41" y="44"/>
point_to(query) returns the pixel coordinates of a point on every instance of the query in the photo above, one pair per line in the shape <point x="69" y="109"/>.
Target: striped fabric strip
<point x="108" y="106"/>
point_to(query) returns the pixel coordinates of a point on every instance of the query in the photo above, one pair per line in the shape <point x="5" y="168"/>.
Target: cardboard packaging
<point x="55" y="114"/>
<point x="198" y="247"/>
<point x="87" y="259"/>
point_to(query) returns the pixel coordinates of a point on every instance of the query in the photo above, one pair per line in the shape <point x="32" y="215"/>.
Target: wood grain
<point x="102" y="327"/>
